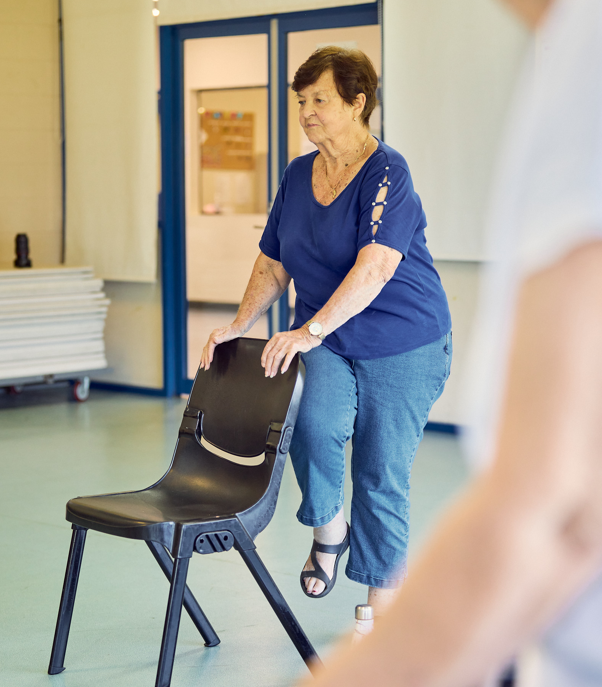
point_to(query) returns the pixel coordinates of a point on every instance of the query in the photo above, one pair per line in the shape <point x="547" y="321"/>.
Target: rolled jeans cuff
<point x="318" y="522"/>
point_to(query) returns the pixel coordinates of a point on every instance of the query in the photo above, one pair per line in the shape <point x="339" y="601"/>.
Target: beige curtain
<point x="111" y="137"/>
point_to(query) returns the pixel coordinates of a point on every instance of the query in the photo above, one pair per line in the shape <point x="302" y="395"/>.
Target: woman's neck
<point x="346" y="150"/>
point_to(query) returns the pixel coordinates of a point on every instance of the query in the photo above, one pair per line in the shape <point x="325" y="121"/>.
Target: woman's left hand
<point x="282" y="347"/>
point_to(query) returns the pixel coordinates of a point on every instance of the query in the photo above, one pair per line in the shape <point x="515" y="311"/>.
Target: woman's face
<point x="323" y="114"/>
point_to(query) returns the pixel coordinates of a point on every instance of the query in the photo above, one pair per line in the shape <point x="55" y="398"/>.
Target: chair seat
<point x="144" y="508"/>
<point x="198" y="491"/>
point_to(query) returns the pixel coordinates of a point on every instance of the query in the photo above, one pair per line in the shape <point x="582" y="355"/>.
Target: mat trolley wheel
<point x="81" y="389"/>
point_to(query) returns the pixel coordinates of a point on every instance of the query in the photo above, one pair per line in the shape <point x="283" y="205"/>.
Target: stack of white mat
<point x="51" y="322"/>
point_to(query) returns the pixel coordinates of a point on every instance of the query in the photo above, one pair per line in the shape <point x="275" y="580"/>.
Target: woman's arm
<point x="374" y="266"/>
<point x="527" y="536"/>
<point x="268" y="282"/>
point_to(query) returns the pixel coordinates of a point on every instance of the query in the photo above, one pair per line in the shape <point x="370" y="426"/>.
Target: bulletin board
<point x="227" y="140"/>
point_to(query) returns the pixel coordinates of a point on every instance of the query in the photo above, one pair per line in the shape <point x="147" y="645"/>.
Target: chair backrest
<point x="237" y="401"/>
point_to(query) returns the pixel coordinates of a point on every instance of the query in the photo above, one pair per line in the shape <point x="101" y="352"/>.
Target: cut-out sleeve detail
<point x="382" y="194"/>
<point x="377" y="213"/>
<point x="391" y="210"/>
<point x="379" y="204"/>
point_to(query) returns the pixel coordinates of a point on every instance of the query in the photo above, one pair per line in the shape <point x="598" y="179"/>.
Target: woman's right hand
<point x="218" y="336"/>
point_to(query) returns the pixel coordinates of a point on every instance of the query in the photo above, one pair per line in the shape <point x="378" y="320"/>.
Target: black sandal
<point x="318" y="571"/>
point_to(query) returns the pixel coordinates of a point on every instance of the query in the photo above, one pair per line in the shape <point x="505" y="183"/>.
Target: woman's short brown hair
<point x="353" y="73"/>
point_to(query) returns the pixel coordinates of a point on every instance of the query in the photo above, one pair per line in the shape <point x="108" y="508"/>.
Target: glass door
<point x="225" y="141"/>
<point x="226" y="163"/>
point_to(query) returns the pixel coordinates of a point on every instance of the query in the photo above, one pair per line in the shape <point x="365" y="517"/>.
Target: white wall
<point x="30" y="146"/>
<point x="449" y="70"/>
<point x="134" y="335"/>
<point x="461" y="283"/>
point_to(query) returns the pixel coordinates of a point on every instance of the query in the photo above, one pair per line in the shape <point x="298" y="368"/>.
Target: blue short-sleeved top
<point x="318" y="245"/>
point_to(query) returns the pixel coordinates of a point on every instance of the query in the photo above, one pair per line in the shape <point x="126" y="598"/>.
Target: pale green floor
<point x="52" y="451"/>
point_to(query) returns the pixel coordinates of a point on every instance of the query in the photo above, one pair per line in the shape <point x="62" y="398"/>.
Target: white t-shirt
<point x="547" y="200"/>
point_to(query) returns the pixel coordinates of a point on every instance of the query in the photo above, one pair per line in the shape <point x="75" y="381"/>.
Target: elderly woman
<point x="371" y="323"/>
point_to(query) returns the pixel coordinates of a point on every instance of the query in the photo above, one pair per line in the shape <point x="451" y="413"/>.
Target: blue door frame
<point x="172" y="215"/>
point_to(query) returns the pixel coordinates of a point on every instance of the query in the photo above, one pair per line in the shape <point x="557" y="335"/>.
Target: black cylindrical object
<point x="22" y="251"/>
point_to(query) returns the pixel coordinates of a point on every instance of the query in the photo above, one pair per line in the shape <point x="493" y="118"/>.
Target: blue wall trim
<point x="242" y="26"/>
<point x="329" y="18"/>
<point x="173" y="263"/>
<point x="443" y="427"/>
<point x="126" y="388"/>
<point x="283" y="323"/>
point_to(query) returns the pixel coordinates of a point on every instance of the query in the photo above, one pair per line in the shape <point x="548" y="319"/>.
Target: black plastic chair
<point x="204" y="503"/>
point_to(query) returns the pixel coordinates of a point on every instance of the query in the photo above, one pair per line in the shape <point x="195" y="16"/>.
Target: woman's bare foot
<point x="333" y="532"/>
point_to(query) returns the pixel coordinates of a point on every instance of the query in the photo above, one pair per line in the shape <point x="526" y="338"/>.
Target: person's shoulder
<point x="300" y="165"/>
<point x="385" y="157"/>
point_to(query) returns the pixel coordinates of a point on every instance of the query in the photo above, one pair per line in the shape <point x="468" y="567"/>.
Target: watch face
<point x="315" y="328"/>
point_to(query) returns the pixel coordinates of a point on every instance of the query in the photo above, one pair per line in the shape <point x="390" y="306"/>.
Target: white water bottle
<point x="364" y="621"/>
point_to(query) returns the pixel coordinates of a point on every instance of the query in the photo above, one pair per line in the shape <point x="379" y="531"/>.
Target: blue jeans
<point x="383" y="406"/>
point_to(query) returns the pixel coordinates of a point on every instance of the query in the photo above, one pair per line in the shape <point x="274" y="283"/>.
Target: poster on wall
<point x="227" y="140"/>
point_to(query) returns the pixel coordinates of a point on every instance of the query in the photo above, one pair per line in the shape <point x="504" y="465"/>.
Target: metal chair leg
<point x="190" y="603"/>
<point x="63" y="623"/>
<point x="172" y="622"/>
<point x="281" y="608"/>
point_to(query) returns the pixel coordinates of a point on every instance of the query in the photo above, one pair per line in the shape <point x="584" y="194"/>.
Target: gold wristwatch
<point x="315" y="329"/>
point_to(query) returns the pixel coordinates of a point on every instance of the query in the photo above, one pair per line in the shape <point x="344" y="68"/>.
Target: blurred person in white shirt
<point x="515" y="566"/>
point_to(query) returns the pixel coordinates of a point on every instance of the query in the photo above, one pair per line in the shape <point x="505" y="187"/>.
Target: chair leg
<point x="281" y="608"/>
<point x="63" y="623"/>
<point x="190" y="603"/>
<point x="172" y="622"/>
